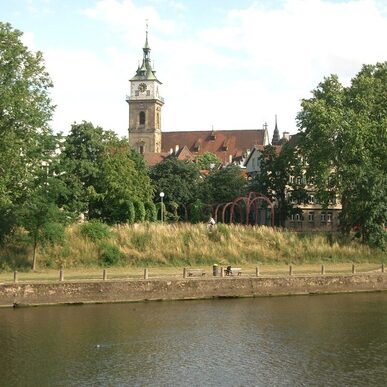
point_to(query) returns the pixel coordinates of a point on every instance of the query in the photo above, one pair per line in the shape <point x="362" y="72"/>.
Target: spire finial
<point x="146" y="47"/>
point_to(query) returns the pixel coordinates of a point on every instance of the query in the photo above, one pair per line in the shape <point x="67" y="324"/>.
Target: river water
<point x="335" y="340"/>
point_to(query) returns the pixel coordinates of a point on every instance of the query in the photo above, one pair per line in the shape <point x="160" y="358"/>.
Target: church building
<point x="145" y="135"/>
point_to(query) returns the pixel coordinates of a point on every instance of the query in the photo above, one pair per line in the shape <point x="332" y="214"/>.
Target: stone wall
<point x="180" y="289"/>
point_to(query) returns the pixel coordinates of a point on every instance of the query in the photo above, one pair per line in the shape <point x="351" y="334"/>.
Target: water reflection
<point x="308" y="340"/>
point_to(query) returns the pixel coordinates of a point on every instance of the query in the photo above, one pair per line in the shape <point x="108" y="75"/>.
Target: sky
<point x="223" y="64"/>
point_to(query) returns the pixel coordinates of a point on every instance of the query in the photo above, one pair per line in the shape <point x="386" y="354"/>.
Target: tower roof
<point x="145" y="72"/>
<point x="276" y="140"/>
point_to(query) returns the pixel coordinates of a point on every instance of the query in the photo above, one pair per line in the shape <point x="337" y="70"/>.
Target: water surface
<point x="283" y="341"/>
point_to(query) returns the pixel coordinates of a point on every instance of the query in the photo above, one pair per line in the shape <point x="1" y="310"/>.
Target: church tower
<point x="145" y="106"/>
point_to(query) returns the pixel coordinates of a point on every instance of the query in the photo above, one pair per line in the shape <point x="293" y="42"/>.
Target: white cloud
<point x="237" y="73"/>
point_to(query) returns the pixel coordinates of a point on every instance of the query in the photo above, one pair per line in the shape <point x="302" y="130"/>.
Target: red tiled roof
<point x="154" y="158"/>
<point x="222" y="143"/>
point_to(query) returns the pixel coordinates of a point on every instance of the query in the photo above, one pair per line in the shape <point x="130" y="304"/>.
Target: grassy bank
<point x="177" y="245"/>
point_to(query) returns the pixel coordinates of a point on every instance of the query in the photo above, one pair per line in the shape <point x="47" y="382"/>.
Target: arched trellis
<point x="251" y="202"/>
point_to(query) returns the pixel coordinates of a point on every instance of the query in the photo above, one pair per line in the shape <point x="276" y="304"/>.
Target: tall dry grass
<point x="183" y="244"/>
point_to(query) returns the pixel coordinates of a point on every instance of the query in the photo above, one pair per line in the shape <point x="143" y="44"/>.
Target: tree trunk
<point x="34" y="254"/>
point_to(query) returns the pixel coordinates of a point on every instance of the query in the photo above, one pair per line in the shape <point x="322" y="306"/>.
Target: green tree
<point x="177" y="179"/>
<point x="281" y="179"/>
<point x="344" y="140"/>
<point x="39" y="214"/>
<point x="25" y="110"/>
<point x="105" y="175"/>
<point x="223" y="185"/>
<point x="208" y="161"/>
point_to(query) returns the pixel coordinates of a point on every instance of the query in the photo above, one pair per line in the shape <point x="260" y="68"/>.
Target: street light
<point x="162" y="206"/>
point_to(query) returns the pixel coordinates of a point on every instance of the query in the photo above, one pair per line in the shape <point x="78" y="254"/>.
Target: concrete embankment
<point x="75" y="292"/>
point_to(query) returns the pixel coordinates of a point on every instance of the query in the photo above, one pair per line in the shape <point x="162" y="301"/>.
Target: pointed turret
<point x="276" y="140"/>
<point x="145" y="72"/>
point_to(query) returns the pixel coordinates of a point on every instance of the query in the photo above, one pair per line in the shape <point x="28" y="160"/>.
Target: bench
<point x="233" y="271"/>
<point x="195" y="272"/>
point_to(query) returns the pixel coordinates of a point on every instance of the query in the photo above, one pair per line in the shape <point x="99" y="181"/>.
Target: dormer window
<point x="142" y="118"/>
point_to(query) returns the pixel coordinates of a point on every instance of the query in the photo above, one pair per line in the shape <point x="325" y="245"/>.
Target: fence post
<point x="382" y="267"/>
<point x="222" y="271"/>
<point x="290" y="270"/>
<point x="257" y="271"/>
<point x="353" y="269"/>
<point x="322" y="269"/>
<point x="184" y="273"/>
<point x="104" y="275"/>
<point x="15" y="276"/>
<point x="61" y="275"/>
<point x="146" y="273"/>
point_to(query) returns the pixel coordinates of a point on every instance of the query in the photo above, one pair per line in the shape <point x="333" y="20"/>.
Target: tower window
<point x="141" y="149"/>
<point x="142" y="118"/>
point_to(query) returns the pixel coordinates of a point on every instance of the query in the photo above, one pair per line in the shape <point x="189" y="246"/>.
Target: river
<point x="331" y="340"/>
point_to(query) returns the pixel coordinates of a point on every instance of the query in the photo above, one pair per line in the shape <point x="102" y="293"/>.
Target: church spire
<point x="276" y="140"/>
<point x="145" y="72"/>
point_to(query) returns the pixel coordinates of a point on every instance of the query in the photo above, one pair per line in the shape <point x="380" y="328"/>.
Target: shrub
<point x="110" y="254"/>
<point x="150" y="212"/>
<point x="139" y="210"/>
<point x="95" y="230"/>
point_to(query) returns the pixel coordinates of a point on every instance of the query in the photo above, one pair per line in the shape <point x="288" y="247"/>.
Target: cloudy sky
<point x="227" y="63"/>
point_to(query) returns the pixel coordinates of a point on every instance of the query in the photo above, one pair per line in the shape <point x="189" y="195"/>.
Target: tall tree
<point x="281" y="179"/>
<point x="178" y="180"/>
<point x="344" y="140"/>
<point x="103" y="174"/>
<point x="25" y="110"/>
<point x="223" y="185"/>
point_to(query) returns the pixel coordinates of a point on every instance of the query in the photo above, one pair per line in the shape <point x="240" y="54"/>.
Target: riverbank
<point x="142" y="245"/>
<point x="108" y="291"/>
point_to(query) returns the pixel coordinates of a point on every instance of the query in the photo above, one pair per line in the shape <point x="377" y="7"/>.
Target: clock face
<point x="142" y="87"/>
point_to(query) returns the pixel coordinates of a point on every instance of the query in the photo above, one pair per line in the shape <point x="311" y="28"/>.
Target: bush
<point x="110" y="255"/>
<point x="95" y="230"/>
<point x="139" y="210"/>
<point x="150" y="212"/>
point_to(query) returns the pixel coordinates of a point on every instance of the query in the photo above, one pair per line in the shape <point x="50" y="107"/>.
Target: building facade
<point x="146" y="136"/>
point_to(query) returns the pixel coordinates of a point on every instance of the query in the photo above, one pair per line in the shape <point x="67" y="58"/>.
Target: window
<point x="141" y="149"/>
<point x="291" y="179"/>
<point x="329" y="217"/>
<point x="295" y="217"/>
<point x="157" y="120"/>
<point x="298" y="180"/>
<point x="311" y="217"/>
<point x="142" y="118"/>
<point x="311" y="199"/>
<point x="323" y="217"/>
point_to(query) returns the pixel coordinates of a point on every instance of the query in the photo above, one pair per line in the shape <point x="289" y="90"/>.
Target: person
<point x="211" y="223"/>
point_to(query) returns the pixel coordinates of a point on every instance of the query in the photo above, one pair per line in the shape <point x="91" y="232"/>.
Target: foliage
<point x="95" y="230"/>
<point x="223" y="185"/>
<point x="104" y="173"/>
<point x="197" y="211"/>
<point x="344" y="140"/>
<point x="26" y="141"/>
<point x="110" y="254"/>
<point x="139" y="210"/>
<point x="208" y="161"/>
<point x="150" y="212"/>
<point x="281" y="179"/>
<point x="177" y="179"/>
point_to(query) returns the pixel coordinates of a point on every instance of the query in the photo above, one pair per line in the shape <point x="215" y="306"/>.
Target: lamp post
<point x="162" y="206"/>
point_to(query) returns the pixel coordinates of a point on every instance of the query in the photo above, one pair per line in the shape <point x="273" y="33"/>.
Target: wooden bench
<point x="195" y="272"/>
<point x="233" y="271"/>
